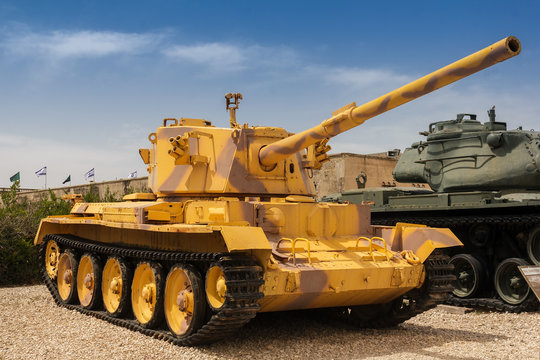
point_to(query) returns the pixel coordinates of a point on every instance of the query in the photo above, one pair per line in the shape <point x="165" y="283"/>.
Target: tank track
<point x="243" y="279"/>
<point x="491" y="304"/>
<point x="438" y="221"/>
<point x="437" y="286"/>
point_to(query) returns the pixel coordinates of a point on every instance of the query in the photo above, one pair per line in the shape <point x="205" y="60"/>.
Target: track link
<point x="242" y="278"/>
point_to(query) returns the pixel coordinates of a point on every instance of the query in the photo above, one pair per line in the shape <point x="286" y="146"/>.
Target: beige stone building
<point x="341" y="172"/>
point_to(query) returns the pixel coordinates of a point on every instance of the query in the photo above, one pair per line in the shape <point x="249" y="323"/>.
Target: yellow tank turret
<point x="232" y="229"/>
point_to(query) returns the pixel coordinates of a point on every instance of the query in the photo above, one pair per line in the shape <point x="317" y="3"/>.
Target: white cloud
<point x="73" y="44"/>
<point x="232" y="57"/>
<point x="362" y="78"/>
<point x="65" y="44"/>
<point x="213" y="54"/>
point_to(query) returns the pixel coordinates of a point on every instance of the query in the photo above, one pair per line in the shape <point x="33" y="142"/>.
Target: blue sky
<point x="83" y="83"/>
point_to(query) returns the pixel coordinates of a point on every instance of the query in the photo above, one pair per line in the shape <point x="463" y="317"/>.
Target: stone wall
<point x="116" y="188"/>
<point x="340" y="172"/>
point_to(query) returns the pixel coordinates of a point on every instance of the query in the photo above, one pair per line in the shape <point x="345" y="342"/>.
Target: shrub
<point x="19" y="221"/>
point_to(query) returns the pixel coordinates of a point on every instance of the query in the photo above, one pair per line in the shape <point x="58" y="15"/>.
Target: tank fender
<point x="422" y="240"/>
<point x="238" y="238"/>
<point x="45" y="228"/>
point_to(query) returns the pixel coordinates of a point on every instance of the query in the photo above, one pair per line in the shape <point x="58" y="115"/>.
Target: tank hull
<point x="264" y="267"/>
<point x="338" y="270"/>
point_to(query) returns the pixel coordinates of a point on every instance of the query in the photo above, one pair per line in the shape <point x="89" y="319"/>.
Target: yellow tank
<point x="232" y="229"/>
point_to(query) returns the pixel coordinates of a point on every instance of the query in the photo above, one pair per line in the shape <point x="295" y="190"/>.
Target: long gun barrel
<point x="354" y="116"/>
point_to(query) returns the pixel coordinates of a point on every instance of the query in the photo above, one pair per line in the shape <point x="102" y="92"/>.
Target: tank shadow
<point x="308" y="334"/>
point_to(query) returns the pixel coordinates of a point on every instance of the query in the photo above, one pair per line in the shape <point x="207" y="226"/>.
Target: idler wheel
<point x="470" y="275"/>
<point x="147" y="294"/>
<point x="52" y="255"/>
<point x="67" y="277"/>
<point x="184" y="300"/>
<point x="88" y="281"/>
<point x="216" y="287"/>
<point x="509" y="283"/>
<point x="115" y="286"/>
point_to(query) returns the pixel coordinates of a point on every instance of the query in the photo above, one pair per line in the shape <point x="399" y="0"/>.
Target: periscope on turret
<point x="231" y="228"/>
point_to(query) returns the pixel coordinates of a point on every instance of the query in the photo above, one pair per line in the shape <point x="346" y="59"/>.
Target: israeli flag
<point x="133" y="174"/>
<point x="42" y="171"/>
<point x="89" y="174"/>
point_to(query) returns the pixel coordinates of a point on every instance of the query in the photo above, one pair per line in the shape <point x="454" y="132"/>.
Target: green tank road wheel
<point x="509" y="283"/>
<point x="533" y="246"/>
<point x="470" y="274"/>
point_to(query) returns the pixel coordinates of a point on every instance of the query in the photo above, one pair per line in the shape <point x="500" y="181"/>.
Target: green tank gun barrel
<point x="357" y="115"/>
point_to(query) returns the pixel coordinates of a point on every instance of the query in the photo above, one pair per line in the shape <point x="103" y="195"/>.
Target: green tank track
<point x="242" y="277"/>
<point x="530" y="304"/>
<point x="492" y="304"/>
<point x="437" y="286"/>
<point x="443" y="221"/>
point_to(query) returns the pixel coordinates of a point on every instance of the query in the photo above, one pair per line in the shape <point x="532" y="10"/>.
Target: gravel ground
<point x="33" y="327"/>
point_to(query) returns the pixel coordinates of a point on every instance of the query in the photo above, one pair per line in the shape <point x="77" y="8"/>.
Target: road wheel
<point x="215" y="287"/>
<point x="115" y="286"/>
<point x="509" y="283"/>
<point x="470" y="275"/>
<point x="184" y="300"/>
<point x="52" y="255"/>
<point x="147" y="294"/>
<point x="89" y="281"/>
<point x="533" y="246"/>
<point x="67" y="277"/>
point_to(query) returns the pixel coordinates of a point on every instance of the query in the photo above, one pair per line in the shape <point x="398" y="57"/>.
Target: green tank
<point x="485" y="182"/>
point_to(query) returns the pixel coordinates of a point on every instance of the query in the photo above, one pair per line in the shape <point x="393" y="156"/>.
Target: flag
<point x="67" y="180"/>
<point x="42" y="171"/>
<point x="89" y="174"/>
<point x="133" y="174"/>
<point x="16" y="177"/>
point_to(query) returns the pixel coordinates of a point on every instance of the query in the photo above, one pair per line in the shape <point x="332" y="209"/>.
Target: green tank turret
<point x="466" y="155"/>
<point x="486" y="189"/>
